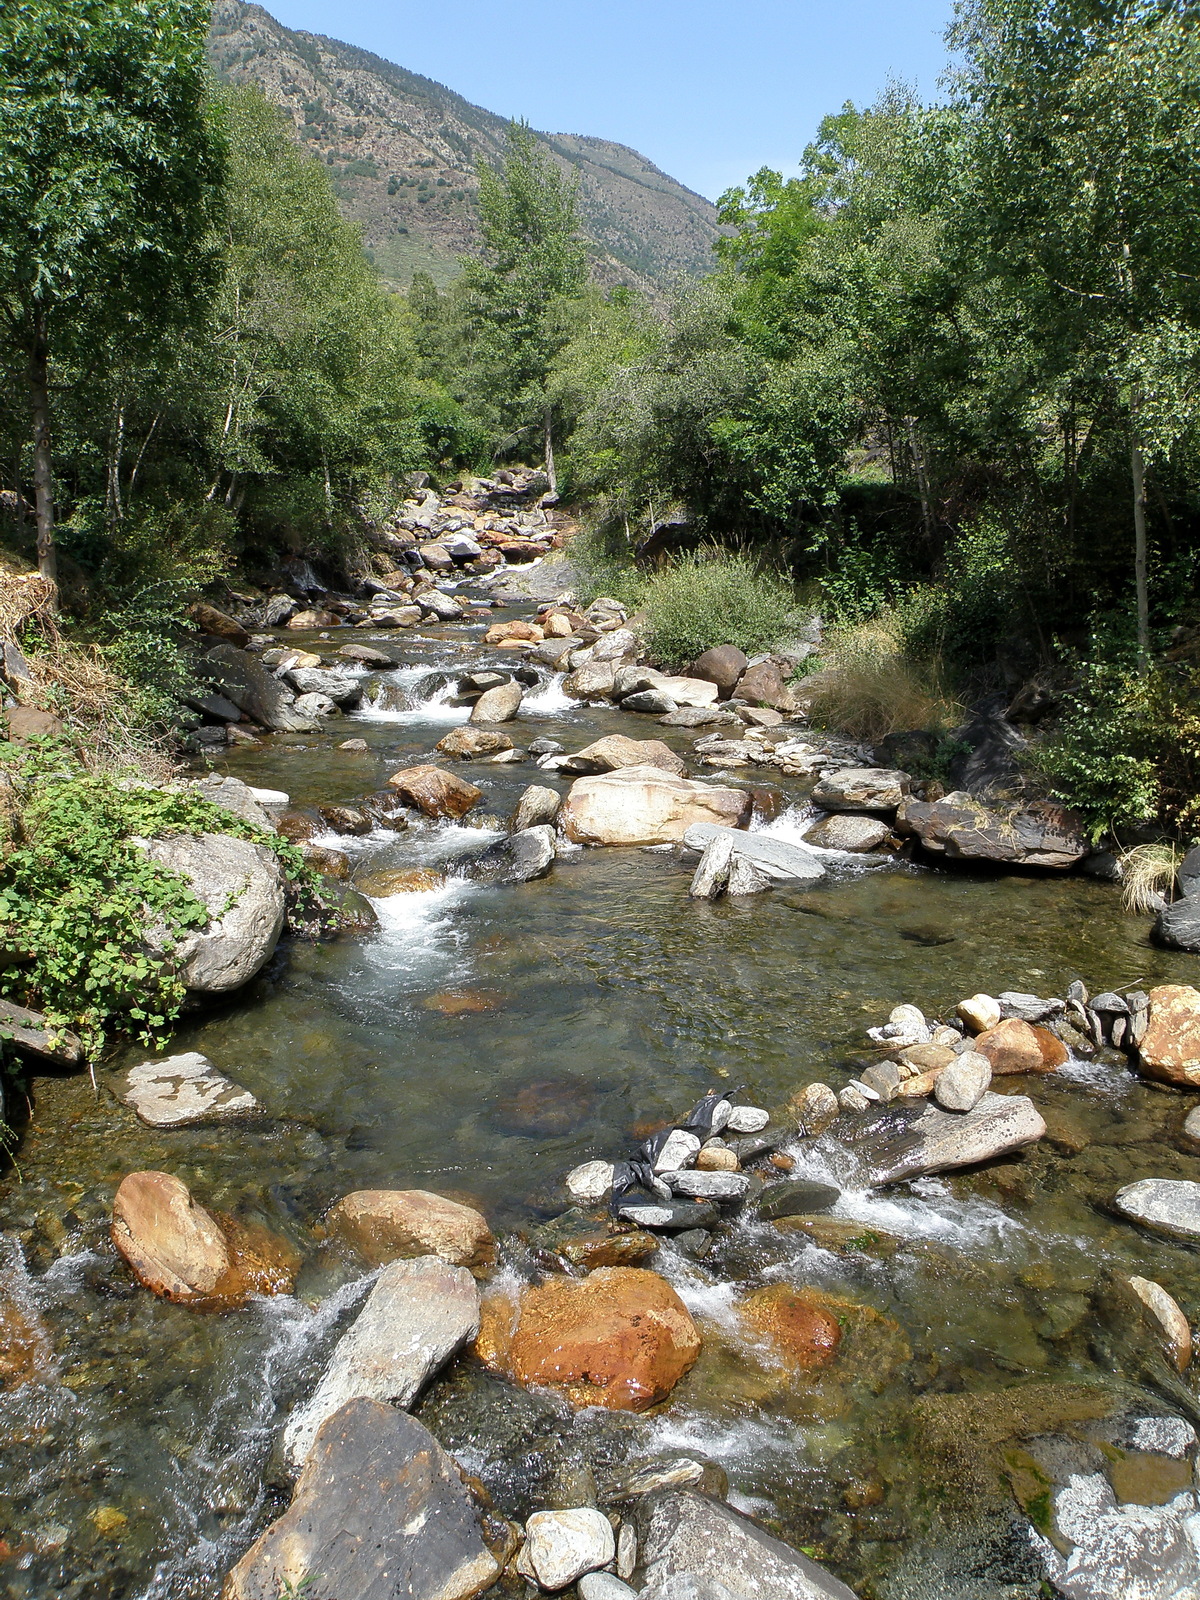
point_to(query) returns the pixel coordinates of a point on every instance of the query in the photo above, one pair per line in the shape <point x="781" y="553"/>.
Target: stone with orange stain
<point x="461" y="1002"/>
<point x="411" y="880"/>
<point x="620" y="1338"/>
<point x="26" y="1353"/>
<point x="803" y="1331"/>
<point x="1170" y="1047"/>
<point x="436" y="792"/>
<point x="1016" y="1046"/>
<point x="182" y="1252"/>
<point x="384" y="1225"/>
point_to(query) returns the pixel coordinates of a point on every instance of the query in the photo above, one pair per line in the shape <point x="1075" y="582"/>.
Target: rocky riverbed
<point x="912" y="1322"/>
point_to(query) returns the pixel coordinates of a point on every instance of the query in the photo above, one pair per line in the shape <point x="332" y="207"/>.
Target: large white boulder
<point x="644" y="805"/>
<point x="241" y="883"/>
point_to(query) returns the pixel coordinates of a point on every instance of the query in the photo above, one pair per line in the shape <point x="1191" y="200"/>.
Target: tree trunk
<point x="550" y="472"/>
<point x="1138" y="474"/>
<point x="43" y="476"/>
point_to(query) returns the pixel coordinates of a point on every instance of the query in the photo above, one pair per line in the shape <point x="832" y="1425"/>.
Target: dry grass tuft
<point x="872" y="688"/>
<point x="1148" y="877"/>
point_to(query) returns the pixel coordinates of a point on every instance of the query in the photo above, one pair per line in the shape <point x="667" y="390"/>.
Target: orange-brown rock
<point x="435" y="792"/>
<point x="462" y="1002"/>
<point x="927" y="1057"/>
<point x="412" y="880"/>
<point x="501" y="632"/>
<point x="26" y="1353"/>
<point x="1015" y="1046"/>
<point x="393" y="1224"/>
<point x="803" y="1332"/>
<point x="209" y="620"/>
<point x="620" y="1338"/>
<point x="1170" y="1047"/>
<point x="182" y="1252"/>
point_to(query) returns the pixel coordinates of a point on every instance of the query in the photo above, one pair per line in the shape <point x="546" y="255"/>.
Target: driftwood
<point x="28" y="1031"/>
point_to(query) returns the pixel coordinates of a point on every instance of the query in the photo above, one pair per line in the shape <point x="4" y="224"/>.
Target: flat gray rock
<point x="419" y="1313"/>
<point x="380" y="1513"/>
<point x="183" y="1090"/>
<point x="775" y="858"/>
<point x="1168" y="1205"/>
<point x="939" y="1141"/>
<point x="723" y="1186"/>
<point x="686" y="1536"/>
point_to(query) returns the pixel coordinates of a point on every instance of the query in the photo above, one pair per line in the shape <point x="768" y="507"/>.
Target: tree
<point x="110" y="173"/>
<point x="533" y="260"/>
<point x="1081" y="188"/>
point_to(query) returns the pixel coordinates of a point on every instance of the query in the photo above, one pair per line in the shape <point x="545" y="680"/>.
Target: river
<point x="483" y="1041"/>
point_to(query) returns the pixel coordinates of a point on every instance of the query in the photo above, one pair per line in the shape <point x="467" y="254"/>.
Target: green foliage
<point x="1100" y="762"/>
<point x="76" y="894"/>
<point x="714" y="598"/>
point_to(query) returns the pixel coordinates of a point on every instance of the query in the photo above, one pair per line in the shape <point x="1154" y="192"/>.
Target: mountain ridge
<point x="402" y="151"/>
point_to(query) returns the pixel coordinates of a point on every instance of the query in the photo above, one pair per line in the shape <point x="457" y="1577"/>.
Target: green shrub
<point x="76" y="893"/>
<point x="710" y="599"/>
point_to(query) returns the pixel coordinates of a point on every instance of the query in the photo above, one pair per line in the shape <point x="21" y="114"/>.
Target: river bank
<point x="487" y="1039"/>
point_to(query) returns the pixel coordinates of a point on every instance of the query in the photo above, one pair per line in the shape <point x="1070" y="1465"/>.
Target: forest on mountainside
<point x="943" y="384"/>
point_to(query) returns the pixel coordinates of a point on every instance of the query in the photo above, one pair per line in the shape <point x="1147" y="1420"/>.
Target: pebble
<point x="723" y="1186"/>
<point x="590" y="1183"/>
<point x="680" y="1150"/>
<point x="683" y="1214"/>
<point x="627" y="1550"/>
<point x="963" y="1083"/>
<point x="716" y="1159"/>
<point x="603" y="1586"/>
<point x="1165" y="1311"/>
<point x="864" y="1089"/>
<point x="747" y="1119"/>
<point x="980" y="1012"/>
<point x="560" y="1546"/>
<point x="853" y="1099"/>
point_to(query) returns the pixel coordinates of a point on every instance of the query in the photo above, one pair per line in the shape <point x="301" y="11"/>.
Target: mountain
<point x="402" y="151"/>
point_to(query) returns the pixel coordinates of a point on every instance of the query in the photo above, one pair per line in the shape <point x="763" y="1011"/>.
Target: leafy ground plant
<point x="77" y="894"/>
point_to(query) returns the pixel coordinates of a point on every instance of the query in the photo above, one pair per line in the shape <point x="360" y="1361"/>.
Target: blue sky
<point x="710" y="91"/>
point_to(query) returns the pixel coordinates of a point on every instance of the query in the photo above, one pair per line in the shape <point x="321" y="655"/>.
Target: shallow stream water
<point x="484" y="1041"/>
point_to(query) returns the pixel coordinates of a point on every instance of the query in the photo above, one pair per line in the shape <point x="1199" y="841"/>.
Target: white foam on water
<point x="791" y="825"/>
<point x="355" y="844"/>
<point x="548" y="699"/>
<point x="404" y="682"/>
<point x="244" y="1410"/>
<point x="1099" y="1077"/>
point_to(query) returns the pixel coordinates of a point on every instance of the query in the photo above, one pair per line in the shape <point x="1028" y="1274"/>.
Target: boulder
<point x="516" y="859"/>
<point x="343" y="687"/>
<point x="366" y="656"/>
<point x="650" y="702"/>
<point x="591" y="681"/>
<point x="23" y="723"/>
<point x="538" y="805"/>
<point x="500" y="704"/>
<point x="470" y="744"/>
<point x="1016" y="1046"/>
<point x="418" y="1314"/>
<point x="671" y="1216"/>
<point x="615" y="751"/>
<point x="255" y="691"/>
<point x="517" y="629"/>
<point x="804" y="1331"/>
<point x="861" y="789"/>
<point x="1166" y="1205"/>
<point x="763" y="684"/>
<point x="961" y="829"/>
<point x="722" y="665"/>
<point x="560" y="1546"/>
<point x="845" y="832"/>
<point x="315" y="705"/>
<point x="436" y="792"/>
<point x="210" y="620"/>
<point x="698" y="717"/>
<point x="724" y="1187"/>
<point x="620" y="1338"/>
<point x="963" y="1083"/>
<point x="616" y="645"/>
<point x="796" y="1197"/>
<point x="436" y="604"/>
<point x="183" y="1090"/>
<point x="1169" y="1049"/>
<point x="380" y="1512"/>
<point x="391" y="1224"/>
<point x="234" y="796"/>
<point x="693" y="1548"/>
<point x="242" y="884"/>
<point x="644" y="806"/>
<point x="777" y="859"/>
<point x="181" y="1252"/>
<point x="940" y="1141"/>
